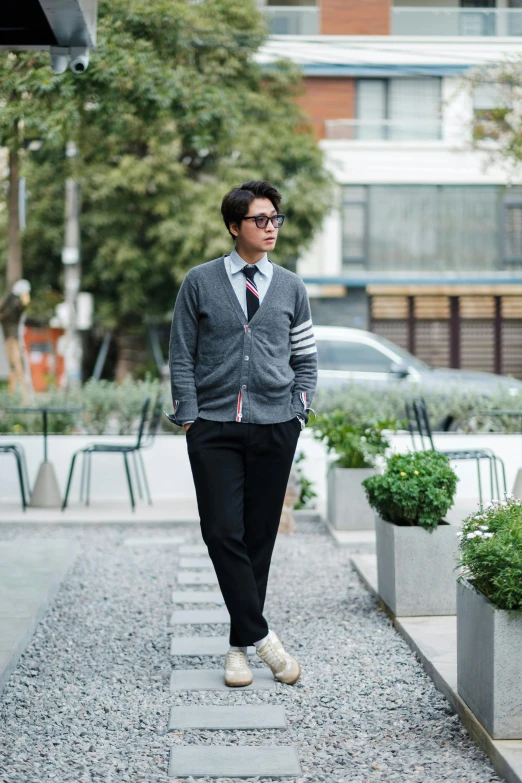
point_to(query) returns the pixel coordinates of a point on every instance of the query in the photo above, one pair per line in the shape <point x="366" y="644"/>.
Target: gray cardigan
<point x="225" y="369"/>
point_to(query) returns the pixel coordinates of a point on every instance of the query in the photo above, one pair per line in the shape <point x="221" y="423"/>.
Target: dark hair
<point x="235" y="205"/>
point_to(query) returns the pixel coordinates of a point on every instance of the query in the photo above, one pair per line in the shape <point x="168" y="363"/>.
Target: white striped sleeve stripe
<point x="305" y="351"/>
<point x="303" y="343"/>
<point x="302" y="326"/>
<point x="301" y="336"/>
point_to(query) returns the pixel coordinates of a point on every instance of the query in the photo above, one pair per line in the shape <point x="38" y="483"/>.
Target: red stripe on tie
<point x="252" y="288"/>
<point x="239" y="412"/>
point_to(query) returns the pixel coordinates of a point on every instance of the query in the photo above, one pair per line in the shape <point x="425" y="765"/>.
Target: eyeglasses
<point x="262" y="220"/>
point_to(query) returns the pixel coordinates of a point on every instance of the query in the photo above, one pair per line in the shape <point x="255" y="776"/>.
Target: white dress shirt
<point x="234" y="264"/>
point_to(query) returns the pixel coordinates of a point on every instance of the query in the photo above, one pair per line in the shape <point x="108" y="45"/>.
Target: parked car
<point x="356" y="356"/>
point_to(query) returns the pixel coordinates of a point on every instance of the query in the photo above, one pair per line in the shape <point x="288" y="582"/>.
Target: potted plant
<point x="356" y="446"/>
<point x="416" y="548"/>
<point x="489" y="618"/>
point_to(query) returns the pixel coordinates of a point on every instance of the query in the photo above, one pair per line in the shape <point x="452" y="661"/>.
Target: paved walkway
<point x="30" y="573"/>
<point x="122" y="680"/>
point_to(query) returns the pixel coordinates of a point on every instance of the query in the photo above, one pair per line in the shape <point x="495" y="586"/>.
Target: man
<point x="243" y="367"/>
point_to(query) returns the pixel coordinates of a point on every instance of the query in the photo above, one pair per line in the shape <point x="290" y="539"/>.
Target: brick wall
<point x="328" y="98"/>
<point x="355" y="17"/>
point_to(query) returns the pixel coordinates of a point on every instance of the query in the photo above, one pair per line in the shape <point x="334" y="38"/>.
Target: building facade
<point x="423" y="243"/>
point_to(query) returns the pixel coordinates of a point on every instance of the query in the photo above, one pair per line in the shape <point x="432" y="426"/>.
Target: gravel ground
<point x="89" y="700"/>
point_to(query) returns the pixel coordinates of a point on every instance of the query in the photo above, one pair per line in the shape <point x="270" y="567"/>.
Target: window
<point x="428" y="228"/>
<point x="352" y="357"/>
<point x="513" y="233"/>
<point x="401" y="108"/>
<point x="489" y="99"/>
<point x="354" y="225"/>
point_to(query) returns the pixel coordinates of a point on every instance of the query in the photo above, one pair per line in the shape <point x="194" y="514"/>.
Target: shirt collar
<point x="237" y="263"/>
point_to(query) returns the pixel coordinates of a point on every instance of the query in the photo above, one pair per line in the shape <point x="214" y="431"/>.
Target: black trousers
<point x="241" y="472"/>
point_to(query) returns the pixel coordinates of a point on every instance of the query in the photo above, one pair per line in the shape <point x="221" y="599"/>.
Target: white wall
<point x="170" y="477"/>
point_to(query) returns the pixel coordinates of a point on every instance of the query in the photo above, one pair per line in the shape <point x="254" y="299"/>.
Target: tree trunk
<point x="14" y="253"/>
<point x="132" y="354"/>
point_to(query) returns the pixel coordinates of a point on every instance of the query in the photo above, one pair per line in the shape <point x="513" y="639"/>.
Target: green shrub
<point x="467" y="409"/>
<point x="415" y="489"/>
<point x="491" y="552"/>
<point x="356" y="443"/>
<point x="307" y="494"/>
<point x="108" y="408"/>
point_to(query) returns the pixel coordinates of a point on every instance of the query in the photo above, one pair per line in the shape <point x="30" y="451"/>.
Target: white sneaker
<point x="237" y="672"/>
<point x="284" y="666"/>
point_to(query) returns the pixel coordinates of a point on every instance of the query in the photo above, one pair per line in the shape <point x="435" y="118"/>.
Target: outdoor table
<point x="46" y="493"/>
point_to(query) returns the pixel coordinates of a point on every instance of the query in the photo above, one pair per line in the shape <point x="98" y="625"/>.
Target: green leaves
<point x="491" y="552"/>
<point x="172" y="112"/>
<point x="356" y="443"/>
<point x="415" y="489"/>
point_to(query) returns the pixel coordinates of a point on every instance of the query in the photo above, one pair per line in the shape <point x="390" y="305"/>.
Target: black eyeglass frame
<point x="280" y="220"/>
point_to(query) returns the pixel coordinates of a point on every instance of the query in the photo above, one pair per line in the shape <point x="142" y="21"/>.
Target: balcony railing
<point x="456" y="21"/>
<point x="384" y="130"/>
<point x="293" y="20"/>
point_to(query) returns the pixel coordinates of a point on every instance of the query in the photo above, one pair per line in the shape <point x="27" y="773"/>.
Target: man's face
<point x="249" y="236"/>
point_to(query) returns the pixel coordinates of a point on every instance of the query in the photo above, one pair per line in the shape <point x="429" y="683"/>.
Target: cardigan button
<point x="246" y="358"/>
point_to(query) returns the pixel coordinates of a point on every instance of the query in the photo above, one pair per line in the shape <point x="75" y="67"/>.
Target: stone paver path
<point x="197" y="646"/>
<point x="246" y="716"/>
<point x="230" y="762"/>
<point x="197" y="597"/>
<point x="90" y="700"/>
<point x="199" y="616"/>
<point x="212" y="680"/>
<point x="195" y="562"/>
<point x="197" y="578"/>
<point x="222" y="761"/>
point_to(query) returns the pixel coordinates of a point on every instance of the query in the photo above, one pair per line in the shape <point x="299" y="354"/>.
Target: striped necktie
<point x="252" y="294"/>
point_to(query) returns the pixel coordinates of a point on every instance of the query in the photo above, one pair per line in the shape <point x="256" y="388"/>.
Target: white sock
<point x="271" y="635"/>
<point x="241" y="649"/>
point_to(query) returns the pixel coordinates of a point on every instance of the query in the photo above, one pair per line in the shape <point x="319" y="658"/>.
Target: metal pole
<point x="71" y="262"/>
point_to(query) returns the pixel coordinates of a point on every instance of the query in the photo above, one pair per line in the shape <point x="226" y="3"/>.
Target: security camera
<point x="79" y="59"/>
<point x="59" y="59"/>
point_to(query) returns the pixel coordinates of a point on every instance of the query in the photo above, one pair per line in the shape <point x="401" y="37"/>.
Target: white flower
<point x="484" y="527"/>
<point x="488" y="535"/>
<point x="470" y="535"/>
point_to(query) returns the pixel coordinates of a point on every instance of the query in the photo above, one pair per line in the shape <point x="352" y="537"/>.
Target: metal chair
<point x="147" y="442"/>
<point x="19" y="455"/>
<point x="106" y="448"/>
<point x="419" y="423"/>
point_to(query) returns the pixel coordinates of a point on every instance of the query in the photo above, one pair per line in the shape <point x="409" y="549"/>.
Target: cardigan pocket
<point x="273" y="381"/>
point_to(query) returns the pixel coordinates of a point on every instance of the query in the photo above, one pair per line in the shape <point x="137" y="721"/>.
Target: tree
<point x="33" y="105"/>
<point x="172" y="112"/>
<point x="497" y="127"/>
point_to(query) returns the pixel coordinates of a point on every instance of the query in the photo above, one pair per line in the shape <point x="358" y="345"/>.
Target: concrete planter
<point x="348" y="508"/>
<point x="416" y="569"/>
<point x="489" y="665"/>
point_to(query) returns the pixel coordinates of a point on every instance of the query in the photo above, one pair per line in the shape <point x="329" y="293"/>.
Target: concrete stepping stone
<point x="241" y="717"/>
<point x="199" y="616"/>
<point x="194" y="646"/>
<point x="197" y="597"/>
<point x="213" y="680"/>
<point x="195" y="562"/>
<point x="197" y="578"/>
<point x="233" y="761"/>
<point x="193" y="549"/>
<point x="151" y="541"/>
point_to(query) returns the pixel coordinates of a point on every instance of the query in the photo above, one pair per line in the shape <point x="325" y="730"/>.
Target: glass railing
<point x="384" y="130"/>
<point x="293" y="20"/>
<point x="456" y="21"/>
